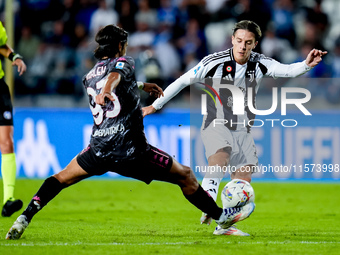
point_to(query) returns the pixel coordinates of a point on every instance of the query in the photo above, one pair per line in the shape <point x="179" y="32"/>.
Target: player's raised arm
<point x="277" y="69"/>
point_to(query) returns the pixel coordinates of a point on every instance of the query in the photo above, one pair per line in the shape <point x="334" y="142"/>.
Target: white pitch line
<point x="157" y="244"/>
<point x="90" y="244"/>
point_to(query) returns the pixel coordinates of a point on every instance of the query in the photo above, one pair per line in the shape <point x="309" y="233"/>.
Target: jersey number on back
<point x="97" y="110"/>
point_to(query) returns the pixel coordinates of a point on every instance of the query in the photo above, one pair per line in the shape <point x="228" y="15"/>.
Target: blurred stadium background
<point x="166" y="38"/>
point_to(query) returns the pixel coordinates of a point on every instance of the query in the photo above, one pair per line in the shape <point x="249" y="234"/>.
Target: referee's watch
<point x="13" y="56"/>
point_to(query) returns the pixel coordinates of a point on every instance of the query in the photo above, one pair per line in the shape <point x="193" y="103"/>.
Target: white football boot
<point x="205" y="219"/>
<point x="231" y="231"/>
<point x="18" y="228"/>
<point x="234" y="214"/>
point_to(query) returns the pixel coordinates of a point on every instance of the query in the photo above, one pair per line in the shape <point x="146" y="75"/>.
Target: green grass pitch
<point x="129" y="217"/>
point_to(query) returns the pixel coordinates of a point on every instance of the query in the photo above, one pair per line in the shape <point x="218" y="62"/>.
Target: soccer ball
<point x="237" y="193"/>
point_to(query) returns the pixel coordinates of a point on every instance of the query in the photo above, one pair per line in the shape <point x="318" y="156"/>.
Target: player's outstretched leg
<point x="51" y="187"/>
<point x="48" y="190"/>
<point x="184" y="177"/>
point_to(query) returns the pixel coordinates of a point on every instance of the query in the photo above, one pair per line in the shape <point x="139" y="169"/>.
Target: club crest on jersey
<point x="120" y="65"/>
<point x="7" y="115"/>
<point x="251" y="75"/>
<point x="229" y="69"/>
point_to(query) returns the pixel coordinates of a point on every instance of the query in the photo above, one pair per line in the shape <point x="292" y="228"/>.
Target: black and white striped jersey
<point x="219" y="69"/>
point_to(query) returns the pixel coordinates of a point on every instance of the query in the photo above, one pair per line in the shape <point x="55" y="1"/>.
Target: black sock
<point x="201" y="199"/>
<point x="48" y="190"/>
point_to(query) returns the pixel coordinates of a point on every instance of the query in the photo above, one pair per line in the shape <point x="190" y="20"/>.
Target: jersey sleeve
<point x="124" y="65"/>
<point x="195" y="74"/>
<point x="276" y="69"/>
<point x="3" y="35"/>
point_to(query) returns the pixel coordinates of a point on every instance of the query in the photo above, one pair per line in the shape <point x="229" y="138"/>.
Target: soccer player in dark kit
<point x="118" y="142"/>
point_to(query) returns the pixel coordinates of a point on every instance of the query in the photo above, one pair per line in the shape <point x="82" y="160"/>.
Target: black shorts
<point x="154" y="164"/>
<point x="6" y="108"/>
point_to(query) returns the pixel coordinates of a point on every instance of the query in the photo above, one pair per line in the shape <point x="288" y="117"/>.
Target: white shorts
<point x="243" y="150"/>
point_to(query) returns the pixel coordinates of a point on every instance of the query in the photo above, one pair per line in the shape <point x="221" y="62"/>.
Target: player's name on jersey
<point x="109" y="131"/>
<point x="96" y="72"/>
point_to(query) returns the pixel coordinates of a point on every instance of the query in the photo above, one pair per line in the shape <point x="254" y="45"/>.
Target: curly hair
<point x="108" y="39"/>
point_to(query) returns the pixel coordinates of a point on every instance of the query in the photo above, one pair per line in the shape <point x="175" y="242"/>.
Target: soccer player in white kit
<point x="232" y="144"/>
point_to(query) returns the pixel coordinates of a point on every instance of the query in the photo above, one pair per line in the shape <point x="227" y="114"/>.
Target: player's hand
<point x="153" y="89"/>
<point x="148" y="110"/>
<point x="20" y="64"/>
<point x="315" y="57"/>
<point x="103" y="97"/>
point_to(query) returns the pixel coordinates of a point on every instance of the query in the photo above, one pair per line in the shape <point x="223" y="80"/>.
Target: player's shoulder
<point x="258" y="57"/>
<point x="126" y="59"/>
<point x="122" y="63"/>
<point x="217" y="57"/>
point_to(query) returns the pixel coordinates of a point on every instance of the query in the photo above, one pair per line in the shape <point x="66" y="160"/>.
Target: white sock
<point x="211" y="185"/>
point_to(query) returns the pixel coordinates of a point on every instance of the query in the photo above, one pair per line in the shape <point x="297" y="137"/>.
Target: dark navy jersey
<point x="118" y="130"/>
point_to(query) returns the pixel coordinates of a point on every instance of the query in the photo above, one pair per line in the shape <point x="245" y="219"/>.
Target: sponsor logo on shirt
<point x="109" y="131"/>
<point x="197" y="69"/>
<point x="120" y="65"/>
<point x="228" y="77"/>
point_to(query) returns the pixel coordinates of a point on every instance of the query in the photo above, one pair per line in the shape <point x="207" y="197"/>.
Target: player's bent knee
<point x="186" y="172"/>
<point x="184" y="176"/>
<point x="6" y="146"/>
<point x="61" y="179"/>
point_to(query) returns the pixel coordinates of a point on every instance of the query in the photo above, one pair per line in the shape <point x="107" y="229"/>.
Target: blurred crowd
<point x="167" y="37"/>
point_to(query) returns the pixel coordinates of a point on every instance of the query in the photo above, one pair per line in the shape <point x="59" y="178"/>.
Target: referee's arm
<point x="16" y="58"/>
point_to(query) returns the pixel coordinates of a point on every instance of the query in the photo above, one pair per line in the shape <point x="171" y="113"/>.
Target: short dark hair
<point x="108" y="39"/>
<point x="251" y="26"/>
